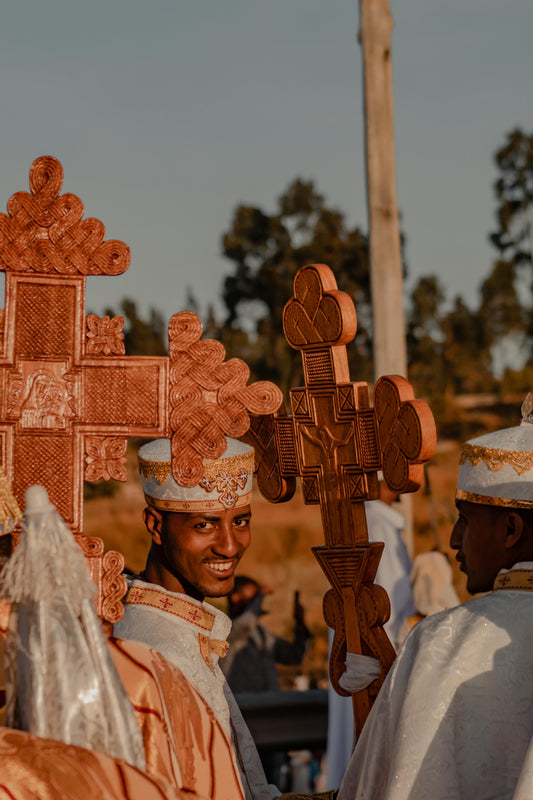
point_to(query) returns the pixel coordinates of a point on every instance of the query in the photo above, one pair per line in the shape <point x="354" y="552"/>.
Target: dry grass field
<point x="280" y="554"/>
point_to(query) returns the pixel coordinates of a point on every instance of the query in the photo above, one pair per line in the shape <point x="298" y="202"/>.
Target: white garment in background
<point x="432" y="582"/>
<point x="178" y="640"/>
<point x="454" y="718"/>
<point x="385" y="524"/>
<point x="524" y="787"/>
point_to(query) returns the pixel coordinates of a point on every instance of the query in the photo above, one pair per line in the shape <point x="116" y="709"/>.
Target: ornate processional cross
<point x="336" y="442"/>
<point x="70" y="396"/>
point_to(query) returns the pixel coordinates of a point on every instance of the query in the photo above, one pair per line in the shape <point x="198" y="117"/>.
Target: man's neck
<point x="156" y="572"/>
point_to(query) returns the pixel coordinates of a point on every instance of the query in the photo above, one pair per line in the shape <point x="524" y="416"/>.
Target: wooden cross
<point x="70" y="396"/>
<point x="336" y="442"/>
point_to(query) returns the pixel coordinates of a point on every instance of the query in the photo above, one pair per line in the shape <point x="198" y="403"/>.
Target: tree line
<point x="452" y="348"/>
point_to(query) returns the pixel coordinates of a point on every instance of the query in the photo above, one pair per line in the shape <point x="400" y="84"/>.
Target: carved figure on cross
<point x="328" y="444"/>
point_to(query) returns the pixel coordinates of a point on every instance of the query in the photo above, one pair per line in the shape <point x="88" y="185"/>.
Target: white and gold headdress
<point x="497" y="468"/>
<point x="226" y="481"/>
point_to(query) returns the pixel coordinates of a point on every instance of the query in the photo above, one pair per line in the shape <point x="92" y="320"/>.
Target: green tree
<point x="502" y="307"/>
<point x="267" y="250"/>
<point x="425" y="338"/>
<point x="467" y="351"/>
<point x="514" y="193"/>
<point x="449" y="351"/>
<point x="501" y="310"/>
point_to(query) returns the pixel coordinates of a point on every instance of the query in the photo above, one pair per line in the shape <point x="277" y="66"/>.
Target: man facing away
<point x="454" y="718"/>
<point x="199" y="535"/>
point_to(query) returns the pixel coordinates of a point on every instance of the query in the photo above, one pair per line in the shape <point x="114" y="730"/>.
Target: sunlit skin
<point x="488" y="539"/>
<point x="196" y="554"/>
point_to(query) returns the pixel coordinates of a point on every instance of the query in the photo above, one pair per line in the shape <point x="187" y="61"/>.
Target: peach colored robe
<point x="184" y="742"/>
<point x="33" y="768"/>
<point x="186" y="747"/>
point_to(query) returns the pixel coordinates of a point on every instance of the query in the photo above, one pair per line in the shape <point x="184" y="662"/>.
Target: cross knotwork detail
<point x="43" y="231"/>
<point x="336" y="442"/>
<point x="70" y="396"/>
<point x="209" y="398"/>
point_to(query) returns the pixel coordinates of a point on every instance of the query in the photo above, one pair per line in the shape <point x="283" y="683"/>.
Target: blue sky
<point x="166" y="115"/>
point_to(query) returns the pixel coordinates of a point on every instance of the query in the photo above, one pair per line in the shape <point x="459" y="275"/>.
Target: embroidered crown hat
<point x="497" y="468"/>
<point x="226" y="481"/>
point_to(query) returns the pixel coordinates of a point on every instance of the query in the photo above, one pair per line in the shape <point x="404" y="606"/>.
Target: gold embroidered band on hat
<point x="520" y="460"/>
<point x="197" y="506"/>
<point x="160" y="470"/>
<point x="213" y="468"/>
<point x="220" y="483"/>
<point x="228" y="476"/>
<point x="472" y="497"/>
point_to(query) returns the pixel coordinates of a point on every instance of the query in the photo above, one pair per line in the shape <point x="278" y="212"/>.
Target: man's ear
<point x="154" y="523"/>
<point x="514" y="528"/>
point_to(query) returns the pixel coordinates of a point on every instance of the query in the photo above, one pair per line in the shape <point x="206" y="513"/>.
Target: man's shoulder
<point x="495" y="609"/>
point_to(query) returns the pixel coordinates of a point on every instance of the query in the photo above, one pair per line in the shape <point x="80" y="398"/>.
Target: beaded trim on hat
<point x="489" y="500"/>
<point x="495" y="459"/>
<point x="197" y="506"/>
<point x="215" y="469"/>
<point x="159" y="469"/>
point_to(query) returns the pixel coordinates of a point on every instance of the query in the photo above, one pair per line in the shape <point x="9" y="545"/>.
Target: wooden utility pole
<point x="385" y="254"/>
<point x="386" y="278"/>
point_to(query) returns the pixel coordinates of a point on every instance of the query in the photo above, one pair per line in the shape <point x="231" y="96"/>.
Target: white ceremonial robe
<point x="524" y="787"/>
<point x="191" y="634"/>
<point x="454" y="718"/>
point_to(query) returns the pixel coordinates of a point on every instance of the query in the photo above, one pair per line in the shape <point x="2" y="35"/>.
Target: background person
<point x="250" y="665"/>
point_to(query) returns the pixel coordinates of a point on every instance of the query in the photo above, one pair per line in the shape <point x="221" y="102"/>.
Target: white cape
<point x="454" y="719"/>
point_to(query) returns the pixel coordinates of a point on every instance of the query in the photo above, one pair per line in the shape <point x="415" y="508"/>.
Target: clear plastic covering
<point x="61" y="682"/>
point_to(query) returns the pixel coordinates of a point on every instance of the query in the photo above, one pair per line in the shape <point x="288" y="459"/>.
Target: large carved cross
<point x="336" y="442"/>
<point x="70" y="396"/>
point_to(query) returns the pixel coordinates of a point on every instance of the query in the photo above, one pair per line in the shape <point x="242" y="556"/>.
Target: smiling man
<point x="199" y="535"/>
<point x="454" y="718"/>
<point x="196" y="553"/>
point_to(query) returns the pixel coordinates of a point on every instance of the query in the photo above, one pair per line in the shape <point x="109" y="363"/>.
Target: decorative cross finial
<point x="336" y="442"/>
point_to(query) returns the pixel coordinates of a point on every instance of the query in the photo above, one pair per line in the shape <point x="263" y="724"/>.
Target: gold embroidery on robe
<point x="519" y="580"/>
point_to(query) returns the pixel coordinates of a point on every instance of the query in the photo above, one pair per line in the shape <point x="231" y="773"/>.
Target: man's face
<point x="201" y="551"/>
<point x="478" y="537"/>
